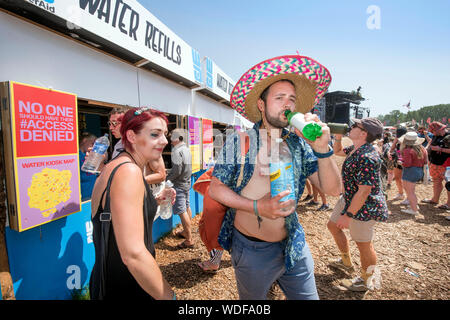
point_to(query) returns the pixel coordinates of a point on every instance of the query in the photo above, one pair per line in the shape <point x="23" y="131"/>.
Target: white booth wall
<point x="50" y="261"/>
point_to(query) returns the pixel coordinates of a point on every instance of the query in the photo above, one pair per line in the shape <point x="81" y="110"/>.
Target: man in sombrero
<point x="263" y="234"/>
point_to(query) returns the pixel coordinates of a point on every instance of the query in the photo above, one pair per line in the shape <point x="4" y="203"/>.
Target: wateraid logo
<point x="44" y="4"/>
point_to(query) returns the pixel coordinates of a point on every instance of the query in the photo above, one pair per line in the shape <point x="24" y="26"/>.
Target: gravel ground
<point x="418" y="244"/>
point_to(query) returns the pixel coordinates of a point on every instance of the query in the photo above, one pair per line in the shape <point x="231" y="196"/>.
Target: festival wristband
<point x="258" y="217"/>
<point x="349" y="214"/>
<point x="324" y="155"/>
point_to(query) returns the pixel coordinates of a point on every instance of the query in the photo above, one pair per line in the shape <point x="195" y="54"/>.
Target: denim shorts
<point x="412" y="174"/>
<point x="259" y="264"/>
<point x="181" y="201"/>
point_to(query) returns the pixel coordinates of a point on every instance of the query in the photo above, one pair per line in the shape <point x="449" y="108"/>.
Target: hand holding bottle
<point x="320" y="144"/>
<point x="166" y="193"/>
<point x="271" y="208"/>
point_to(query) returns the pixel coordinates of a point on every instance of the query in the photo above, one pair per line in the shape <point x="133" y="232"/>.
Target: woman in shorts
<point x="414" y="157"/>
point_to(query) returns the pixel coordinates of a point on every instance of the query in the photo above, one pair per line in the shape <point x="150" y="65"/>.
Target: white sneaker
<point x="399" y="197"/>
<point x="410" y="211"/>
<point x="355" y="284"/>
<point x="405" y="202"/>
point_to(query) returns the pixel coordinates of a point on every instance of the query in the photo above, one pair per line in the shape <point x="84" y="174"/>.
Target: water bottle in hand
<point x="165" y="207"/>
<point x="95" y="157"/>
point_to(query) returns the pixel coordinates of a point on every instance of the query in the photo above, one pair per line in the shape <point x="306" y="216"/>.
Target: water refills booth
<point x="64" y="67"/>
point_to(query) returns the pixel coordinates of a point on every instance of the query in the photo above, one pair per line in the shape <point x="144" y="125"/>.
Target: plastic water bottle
<point x="281" y="172"/>
<point x="165" y="207"/>
<point x="311" y="130"/>
<point x="95" y="157"/>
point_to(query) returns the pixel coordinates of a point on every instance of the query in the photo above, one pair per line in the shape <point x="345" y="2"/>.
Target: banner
<point x="194" y="143"/>
<point x="129" y="25"/>
<point x="45" y="154"/>
<point x="216" y="80"/>
<point x="208" y="148"/>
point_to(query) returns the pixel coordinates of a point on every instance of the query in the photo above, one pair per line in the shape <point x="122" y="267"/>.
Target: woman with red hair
<point x="123" y="209"/>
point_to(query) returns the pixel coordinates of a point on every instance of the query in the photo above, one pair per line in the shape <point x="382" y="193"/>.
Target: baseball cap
<point x="371" y="125"/>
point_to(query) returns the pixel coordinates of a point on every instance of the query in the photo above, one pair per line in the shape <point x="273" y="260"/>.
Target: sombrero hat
<point x="310" y="78"/>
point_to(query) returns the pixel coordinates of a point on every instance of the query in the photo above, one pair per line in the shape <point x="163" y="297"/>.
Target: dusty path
<point x="420" y="244"/>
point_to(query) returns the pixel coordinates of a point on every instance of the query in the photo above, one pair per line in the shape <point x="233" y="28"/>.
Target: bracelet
<point x="324" y="155"/>
<point x="349" y="214"/>
<point x="258" y="217"/>
<point x="174" y="297"/>
<point x="337" y="139"/>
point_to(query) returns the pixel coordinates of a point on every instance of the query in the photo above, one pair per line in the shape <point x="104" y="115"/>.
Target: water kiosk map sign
<point x="45" y="154"/>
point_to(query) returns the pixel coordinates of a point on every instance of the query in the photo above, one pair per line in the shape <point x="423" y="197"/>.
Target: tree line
<point x="424" y="115"/>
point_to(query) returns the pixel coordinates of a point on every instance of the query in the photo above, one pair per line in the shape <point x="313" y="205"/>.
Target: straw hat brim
<point x="416" y="142"/>
<point x="310" y="78"/>
<point x="304" y="91"/>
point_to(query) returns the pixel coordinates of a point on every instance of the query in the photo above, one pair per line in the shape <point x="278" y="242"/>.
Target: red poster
<point x="207" y="129"/>
<point x="44" y="121"/>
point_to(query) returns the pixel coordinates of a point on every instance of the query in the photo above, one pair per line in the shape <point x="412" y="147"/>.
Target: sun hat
<point x="310" y="78"/>
<point x="411" y="138"/>
<point x="371" y="125"/>
<point x="435" y="126"/>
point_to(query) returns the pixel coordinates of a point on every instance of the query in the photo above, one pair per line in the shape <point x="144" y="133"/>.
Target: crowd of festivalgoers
<point x="261" y="230"/>
<point x="409" y="156"/>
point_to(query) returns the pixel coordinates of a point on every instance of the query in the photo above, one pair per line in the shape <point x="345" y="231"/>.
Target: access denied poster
<point x="194" y="143"/>
<point x="207" y="132"/>
<point x="45" y="152"/>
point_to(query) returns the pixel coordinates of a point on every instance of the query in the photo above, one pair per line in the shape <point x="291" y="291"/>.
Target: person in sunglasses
<point x="362" y="202"/>
<point x="115" y="117"/>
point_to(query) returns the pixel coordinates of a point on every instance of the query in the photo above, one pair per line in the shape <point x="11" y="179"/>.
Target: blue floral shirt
<point x="227" y="169"/>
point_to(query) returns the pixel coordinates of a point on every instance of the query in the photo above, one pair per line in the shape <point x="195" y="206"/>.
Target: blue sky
<point x="407" y="58"/>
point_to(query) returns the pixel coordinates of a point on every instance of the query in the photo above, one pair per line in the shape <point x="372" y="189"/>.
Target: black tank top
<point x="110" y="278"/>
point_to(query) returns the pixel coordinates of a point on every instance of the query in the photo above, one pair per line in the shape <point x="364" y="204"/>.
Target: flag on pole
<point x="408" y="105"/>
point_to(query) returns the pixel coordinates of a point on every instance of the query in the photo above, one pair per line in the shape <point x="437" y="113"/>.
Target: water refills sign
<point x="129" y="25"/>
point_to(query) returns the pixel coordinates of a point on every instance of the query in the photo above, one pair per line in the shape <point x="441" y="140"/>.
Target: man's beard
<point x="276" y="121"/>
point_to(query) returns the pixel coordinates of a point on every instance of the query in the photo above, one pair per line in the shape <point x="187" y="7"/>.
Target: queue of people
<point x="262" y="232"/>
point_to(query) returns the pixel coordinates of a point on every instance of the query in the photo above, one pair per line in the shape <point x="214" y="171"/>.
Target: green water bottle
<point x="311" y="130"/>
<point x="338" y="128"/>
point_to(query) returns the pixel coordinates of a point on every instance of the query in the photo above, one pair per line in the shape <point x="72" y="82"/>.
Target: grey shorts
<point x="181" y="201"/>
<point x="360" y="231"/>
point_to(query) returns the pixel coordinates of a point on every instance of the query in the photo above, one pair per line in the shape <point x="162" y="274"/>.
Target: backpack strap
<point x="245" y="145"/>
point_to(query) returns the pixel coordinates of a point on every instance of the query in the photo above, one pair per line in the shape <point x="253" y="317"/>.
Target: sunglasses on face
<point x="113" y="123"/>
<point x="355" y="125"/>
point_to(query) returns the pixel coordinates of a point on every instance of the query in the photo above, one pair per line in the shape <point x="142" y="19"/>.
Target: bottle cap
<point x="312" y="131"/>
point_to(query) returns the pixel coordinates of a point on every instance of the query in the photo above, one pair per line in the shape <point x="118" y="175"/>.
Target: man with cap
<point x="362" y="202"/>
<point x="180" y="176"/>
<point x="266" y="240"/>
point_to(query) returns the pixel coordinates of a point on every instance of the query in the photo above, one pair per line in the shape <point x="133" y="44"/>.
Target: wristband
<point x="174" y="297"/>
<point x="324" y="155"/>
<point x="258" y="217"/>
<point x="349" y="214"/>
